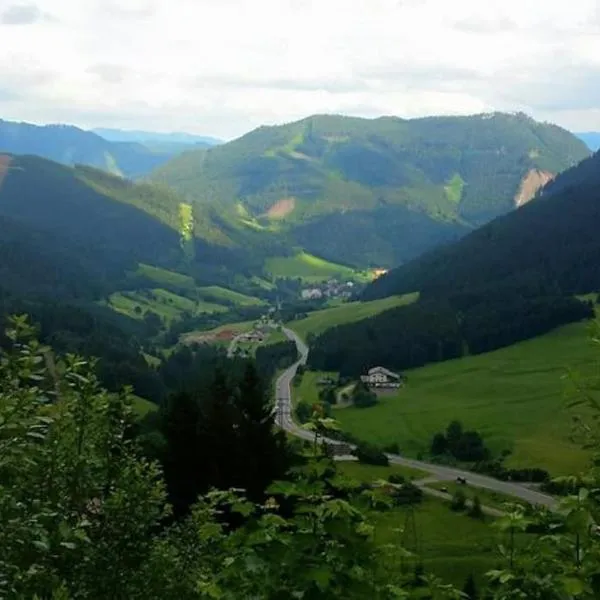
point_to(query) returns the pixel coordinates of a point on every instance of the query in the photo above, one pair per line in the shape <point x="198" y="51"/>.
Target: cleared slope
<point x="319" y="321"/>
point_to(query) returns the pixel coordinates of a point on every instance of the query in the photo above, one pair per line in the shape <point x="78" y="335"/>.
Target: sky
<point x="224" y="67"/>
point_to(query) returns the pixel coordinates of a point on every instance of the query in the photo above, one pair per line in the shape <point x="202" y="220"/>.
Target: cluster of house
<point x="329" y="289"/>
<point x="380" y="377"/>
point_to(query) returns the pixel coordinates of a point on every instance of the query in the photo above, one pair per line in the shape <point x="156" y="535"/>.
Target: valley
<point x="379" y="327"/>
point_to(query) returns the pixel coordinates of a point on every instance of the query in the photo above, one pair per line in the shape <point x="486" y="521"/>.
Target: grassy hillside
<point x="165" y="304"/>
<point x="309" y="267"/>
<point x="217" y="294"/>
<point x="319" y="321"/>
<point x="441" y="174"/>
<point x="516" y="397"/>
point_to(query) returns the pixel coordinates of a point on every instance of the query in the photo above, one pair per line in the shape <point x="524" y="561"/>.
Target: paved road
<point x="285" y="420"/>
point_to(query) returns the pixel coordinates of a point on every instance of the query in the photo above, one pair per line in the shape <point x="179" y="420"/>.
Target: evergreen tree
<point x="182" y="461"/>
<point x="261" y="451"/>
<point x="470" y="589"/>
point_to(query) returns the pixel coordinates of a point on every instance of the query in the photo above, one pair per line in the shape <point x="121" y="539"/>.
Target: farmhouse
<point x="380" y="377"/>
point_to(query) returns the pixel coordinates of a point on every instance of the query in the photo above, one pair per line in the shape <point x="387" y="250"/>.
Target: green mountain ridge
<point x="552" y="241"/>
<point x="70" y="145"/>
<point x="325" y="180"/>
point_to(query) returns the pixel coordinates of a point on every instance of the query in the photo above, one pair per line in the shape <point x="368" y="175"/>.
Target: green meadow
<point x="319" y="321"/>
<point x="515" y="397"/>
<point x="309" y="268"/>
<point x="165" y="304"/>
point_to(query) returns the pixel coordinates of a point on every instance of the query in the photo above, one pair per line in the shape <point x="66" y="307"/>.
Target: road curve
<point x="283" y="411"/>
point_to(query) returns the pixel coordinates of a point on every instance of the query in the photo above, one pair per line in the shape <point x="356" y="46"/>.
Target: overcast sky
<point x="222" y="67"/>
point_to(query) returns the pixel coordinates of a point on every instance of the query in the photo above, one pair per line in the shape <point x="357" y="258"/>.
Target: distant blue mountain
<point x="144" y="137"/>
<point x="591" y="138"/>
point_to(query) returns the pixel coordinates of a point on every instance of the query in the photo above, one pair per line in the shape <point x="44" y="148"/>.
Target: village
<point x="331" y="289"/>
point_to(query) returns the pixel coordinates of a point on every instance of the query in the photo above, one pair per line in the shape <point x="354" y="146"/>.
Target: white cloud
<point x="223" y="67"/>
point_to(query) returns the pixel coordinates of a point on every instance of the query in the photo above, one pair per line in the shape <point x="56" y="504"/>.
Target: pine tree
<point x="470" y="589"/>
<point x="182" y="460"/>
<point x="262" y="450"/>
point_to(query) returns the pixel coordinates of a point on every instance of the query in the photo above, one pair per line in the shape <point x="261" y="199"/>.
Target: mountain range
<point x="70" y="145"/>
<point x="374" y="192"/>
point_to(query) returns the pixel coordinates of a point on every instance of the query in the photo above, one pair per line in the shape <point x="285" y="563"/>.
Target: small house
<point x="380" y="377"/>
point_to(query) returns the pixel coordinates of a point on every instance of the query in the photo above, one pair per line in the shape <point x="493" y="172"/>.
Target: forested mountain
<point x="591" y="138"/>
<point x="512" y="279"/>
<point x="402" y="185"/>
<point x="70" y="238"/>
<point x="70" y="145"/>
<point x="551" y="241"/>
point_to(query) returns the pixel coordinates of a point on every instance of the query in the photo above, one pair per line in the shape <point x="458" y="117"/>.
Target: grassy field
<point x="321" y="320"/>
<point x="165" y="277"/>
<point x="370" y="473"/>
<point x="218" y="294"/>
<point x="451" y="545"/>
<point x="515" y="397"/>
<point x="165" y="304"/>
<point x="308" y="390"/>
<point x="142" y="407"/>
<point x="309" y="267"/>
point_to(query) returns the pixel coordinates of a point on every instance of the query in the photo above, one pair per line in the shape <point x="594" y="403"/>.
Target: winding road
<point x="285" y="420"/>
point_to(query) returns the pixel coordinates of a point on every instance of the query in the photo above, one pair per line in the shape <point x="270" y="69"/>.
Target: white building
<point x="382" y="377"/>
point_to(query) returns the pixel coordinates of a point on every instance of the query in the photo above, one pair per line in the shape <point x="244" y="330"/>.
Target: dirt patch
<point x="282" y="208"/>
<point x="225" y="334"/>
<point x="4" y="164"/>
<point x="530" y="184"/>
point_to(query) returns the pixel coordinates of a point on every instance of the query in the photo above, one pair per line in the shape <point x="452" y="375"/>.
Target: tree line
<point x="433" y="330"/>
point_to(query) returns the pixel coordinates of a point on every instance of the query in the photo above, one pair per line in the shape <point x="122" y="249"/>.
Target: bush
<point x="371" y="454"/>
<point x="303" y="412"/>
<point x="476" y="511"/>
<point x="409" y="493"/>
<point x="396" y="478"/>
<point x="459" y="501"/>
<point x="392" y="448"/>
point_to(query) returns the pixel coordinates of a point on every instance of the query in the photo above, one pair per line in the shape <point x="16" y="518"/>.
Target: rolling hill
<point x="99" y="232"/>
<point x="70" y="145"/>
<point x="374" y="192"/>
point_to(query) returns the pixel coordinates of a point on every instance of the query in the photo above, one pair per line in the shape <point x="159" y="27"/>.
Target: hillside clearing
<point x="220" y="294"/>
<point x="165" y="304"/>
<point x="515" y="397"/>
<point x="166" y="277"/>
<point x="309" y="268"/>
<point x="319" y="321"/>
